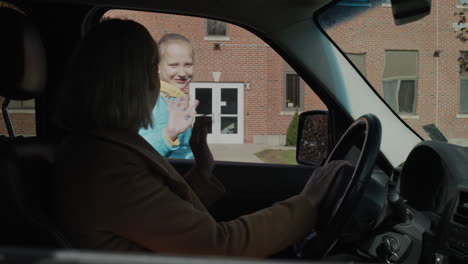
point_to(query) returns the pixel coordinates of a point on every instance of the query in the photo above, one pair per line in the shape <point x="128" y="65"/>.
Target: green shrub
<point x="291" y="135"/>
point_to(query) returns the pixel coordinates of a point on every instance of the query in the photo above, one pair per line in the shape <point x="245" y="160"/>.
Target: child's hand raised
<point x="180" y="116"/>
<point x="198" y="142"/>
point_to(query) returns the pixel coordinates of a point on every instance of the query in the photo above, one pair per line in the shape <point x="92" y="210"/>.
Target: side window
<point x="215" y="28"/>
<point x="247" y="90"/>
<point x="399" y="80"/>
<point x="464" y="83"/>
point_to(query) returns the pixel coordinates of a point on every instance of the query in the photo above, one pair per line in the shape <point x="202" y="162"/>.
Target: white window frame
<point x="216" y="137"/>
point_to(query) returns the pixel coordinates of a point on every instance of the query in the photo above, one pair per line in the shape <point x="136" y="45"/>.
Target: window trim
<point x="285" y="93"/>
<point x="217" y="38"/>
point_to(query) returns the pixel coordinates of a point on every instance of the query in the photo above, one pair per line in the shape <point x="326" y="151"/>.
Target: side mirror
<point x="312" y="138"/>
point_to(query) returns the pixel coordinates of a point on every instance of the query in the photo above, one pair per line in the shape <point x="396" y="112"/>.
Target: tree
<point x="291" y="135"/>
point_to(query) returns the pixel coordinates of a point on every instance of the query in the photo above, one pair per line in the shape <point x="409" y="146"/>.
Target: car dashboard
<point x="420" y="213"/>
<point x="434" y="182"/>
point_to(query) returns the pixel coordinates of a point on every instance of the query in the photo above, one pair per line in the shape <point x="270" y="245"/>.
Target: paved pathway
<point x="240" y="152"/>
<point x="246" y="152"/>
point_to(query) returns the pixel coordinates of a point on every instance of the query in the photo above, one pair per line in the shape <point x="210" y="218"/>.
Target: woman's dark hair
<point x="112" y="80"/>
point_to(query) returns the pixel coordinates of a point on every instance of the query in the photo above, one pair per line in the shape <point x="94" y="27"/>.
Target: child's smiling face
<point x="176" y="64"/>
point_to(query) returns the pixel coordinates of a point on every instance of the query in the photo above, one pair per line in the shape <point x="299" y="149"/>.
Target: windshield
<point x="420" y="69"/>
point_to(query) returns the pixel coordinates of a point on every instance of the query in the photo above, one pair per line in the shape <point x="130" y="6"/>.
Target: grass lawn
<point x="277" y="156"/>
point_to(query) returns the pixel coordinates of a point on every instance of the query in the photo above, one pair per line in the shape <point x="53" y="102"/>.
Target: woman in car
<point x="114" y="191"/>
<point x="170" y="135"/>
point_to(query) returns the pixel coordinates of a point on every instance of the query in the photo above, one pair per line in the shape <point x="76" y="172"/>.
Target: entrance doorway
<point x="224" y="104"/>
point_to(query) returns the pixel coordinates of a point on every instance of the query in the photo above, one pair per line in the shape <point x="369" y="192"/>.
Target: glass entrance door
<point x="223" y="103"/>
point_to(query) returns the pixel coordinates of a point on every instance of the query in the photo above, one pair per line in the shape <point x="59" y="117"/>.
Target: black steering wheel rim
<point x="332" y="219"/>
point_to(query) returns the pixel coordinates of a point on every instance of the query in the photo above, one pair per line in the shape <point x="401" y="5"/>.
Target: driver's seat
<point x="25" y="162"/>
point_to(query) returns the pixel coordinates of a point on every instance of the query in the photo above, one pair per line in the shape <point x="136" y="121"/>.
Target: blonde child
<point x="172" y="116"/>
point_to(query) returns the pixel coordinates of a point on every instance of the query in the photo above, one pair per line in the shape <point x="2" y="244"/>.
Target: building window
<point x="359" y="60"/>
<point x="215" y="28"/>
<point x="464" y="95"/>
<point x="293" y="91"/>
<point x="28" y="104"/>
<point x="355" y="3"/>
<point x="463" y="82"/>
<point x="400" y="80"/>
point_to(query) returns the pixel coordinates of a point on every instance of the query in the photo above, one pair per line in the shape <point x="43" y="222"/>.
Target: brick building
<point x="419" y="59"/>
<point x="239" y="80"/>
<point x="251" y="93"/>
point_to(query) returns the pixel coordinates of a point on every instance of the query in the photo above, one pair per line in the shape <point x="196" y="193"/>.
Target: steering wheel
<point x="361" y="140"/>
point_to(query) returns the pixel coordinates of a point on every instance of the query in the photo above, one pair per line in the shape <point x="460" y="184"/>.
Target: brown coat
<point x="115" y="192"/>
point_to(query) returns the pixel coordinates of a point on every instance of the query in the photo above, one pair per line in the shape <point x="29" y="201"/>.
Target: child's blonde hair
<point x="169" y="38"/>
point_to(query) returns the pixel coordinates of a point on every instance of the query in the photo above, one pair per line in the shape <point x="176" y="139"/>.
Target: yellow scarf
<point x="170" y="90"/>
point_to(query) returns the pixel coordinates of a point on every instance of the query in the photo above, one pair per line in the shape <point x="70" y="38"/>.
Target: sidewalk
<point x="240" y="152"/>
<point x="246" y="152"/>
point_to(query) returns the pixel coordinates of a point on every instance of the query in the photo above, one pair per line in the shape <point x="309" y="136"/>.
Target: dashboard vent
<point x="461" y="213"/>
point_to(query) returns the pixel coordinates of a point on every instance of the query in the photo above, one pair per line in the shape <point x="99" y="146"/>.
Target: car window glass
<point x="250" y="94"/>
<point x="420" y="69"/>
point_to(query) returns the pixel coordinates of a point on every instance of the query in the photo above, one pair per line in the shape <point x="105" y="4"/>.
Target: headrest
<point x="22" y="60"/>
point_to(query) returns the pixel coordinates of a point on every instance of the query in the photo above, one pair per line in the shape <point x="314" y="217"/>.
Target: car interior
<point x="412" y="212"/>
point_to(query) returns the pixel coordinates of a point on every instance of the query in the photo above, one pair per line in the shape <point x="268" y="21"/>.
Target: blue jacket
<point x="155" y="135"/>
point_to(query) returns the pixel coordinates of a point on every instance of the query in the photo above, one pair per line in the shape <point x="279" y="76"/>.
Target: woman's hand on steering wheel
<point x="338" y="204"/>
<point x="318" y="184"/>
